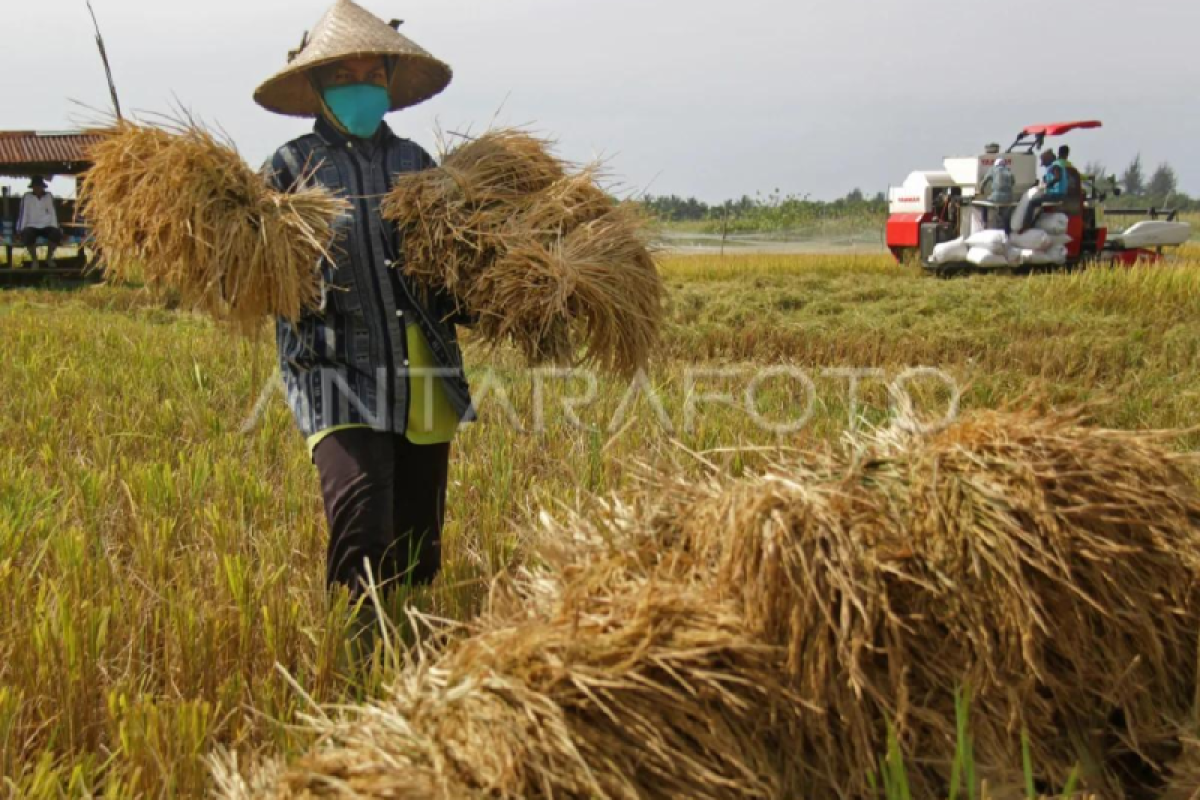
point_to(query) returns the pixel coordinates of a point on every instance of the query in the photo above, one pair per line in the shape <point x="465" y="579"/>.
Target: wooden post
<point x="724" y="229"/>
<point x="6" y="216"/>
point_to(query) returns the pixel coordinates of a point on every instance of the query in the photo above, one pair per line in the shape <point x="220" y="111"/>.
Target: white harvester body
<point x="916" y="194"/>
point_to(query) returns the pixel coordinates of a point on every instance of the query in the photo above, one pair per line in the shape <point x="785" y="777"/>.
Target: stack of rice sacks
<point x="1045" y="243"/>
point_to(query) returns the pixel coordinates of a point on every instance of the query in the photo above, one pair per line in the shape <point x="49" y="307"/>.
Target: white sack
<point x="1057" y="255"/>
<point x="1060" y="241"/>
<point x="978" y="220"/>
<point x="988" y="238"/>
<point x="1032" y="239"/>
<point x="1053" y="224"/>
<point x="1022" y="209"/>
<point x="991" y="240"/>
<point x="986" y="258"/>
<point x="948" y="252"/>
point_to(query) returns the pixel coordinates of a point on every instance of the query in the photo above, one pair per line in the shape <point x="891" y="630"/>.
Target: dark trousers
<point x="385" y="501"/>
<point x="999" y="218"/>
<point x="29" y="237"/>
<point x="1035" y="207"/>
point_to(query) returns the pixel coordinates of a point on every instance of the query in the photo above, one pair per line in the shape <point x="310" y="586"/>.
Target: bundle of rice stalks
<point x="1184" y="782"/>
<point x="541" y="257"/>
<point x="180" y="210"/>
<point x="1048" y="568"/>
<point x="452" y="214"/>
<point x="760" y="637"/>
<point x="597" y="279"/>
<point x="630" y="690"/>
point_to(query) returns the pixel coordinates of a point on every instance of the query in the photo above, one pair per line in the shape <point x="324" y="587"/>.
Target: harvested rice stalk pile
<point x="648" y="692"/>
<point x="180" y="210"/>
<point x="1049" y="567"/>
<point x="755" y="638"/>
<point x="1184" y="781"/>
<point x="540" y="256"/>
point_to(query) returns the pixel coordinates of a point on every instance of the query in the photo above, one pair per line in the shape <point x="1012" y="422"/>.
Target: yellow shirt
<point x="431" y="418"/>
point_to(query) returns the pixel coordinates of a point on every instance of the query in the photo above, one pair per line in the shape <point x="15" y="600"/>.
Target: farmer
<point x="1064" y="155"/>
<point x="39" y="220"/>
<point x="999" y="181"/>
<point x="1074" y="201"/>
<point x="1053" y="189"/>
<point x="375" y="378"/>
<point x="1056" y="178"/>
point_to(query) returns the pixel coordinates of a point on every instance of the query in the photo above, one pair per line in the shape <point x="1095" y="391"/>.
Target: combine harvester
<point x="940" y="207"/>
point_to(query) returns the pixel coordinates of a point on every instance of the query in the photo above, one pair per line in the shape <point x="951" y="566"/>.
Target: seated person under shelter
<point x="39" y="220"/>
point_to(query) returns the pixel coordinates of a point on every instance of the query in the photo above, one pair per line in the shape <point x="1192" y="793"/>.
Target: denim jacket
<point x="345" y="364"/>
<point x="1000" y="182"/>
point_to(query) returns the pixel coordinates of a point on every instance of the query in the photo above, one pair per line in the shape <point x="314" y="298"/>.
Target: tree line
<point x="1139" y="188"/>
<point x="1159" y="189"/>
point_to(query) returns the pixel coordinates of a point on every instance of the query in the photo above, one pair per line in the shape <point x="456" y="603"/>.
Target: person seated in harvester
<point x="1074" y="182"/>
<point x="1064" y="155"/>
<point x="1056" y="179"/>
<point x="39" y="220"/>
<point x="1053" y="189"/>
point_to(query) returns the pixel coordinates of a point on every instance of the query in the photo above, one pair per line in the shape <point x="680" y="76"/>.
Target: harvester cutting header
<point x="992" y="212"/>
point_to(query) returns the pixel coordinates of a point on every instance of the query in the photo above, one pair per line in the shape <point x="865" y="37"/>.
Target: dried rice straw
<point x="178" y="209"/>
<point x="543" y="258"/>
<point x="755" y="638"/>
<point x="644" y="692"/>
<point x="1048" y="568"/>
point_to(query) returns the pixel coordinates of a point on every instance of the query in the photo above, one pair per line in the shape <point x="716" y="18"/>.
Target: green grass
<point x="160" y="570"/>
<point x="1193" y="219"/>
<point x="892" y="779"/>
<point x="862" y="227"/>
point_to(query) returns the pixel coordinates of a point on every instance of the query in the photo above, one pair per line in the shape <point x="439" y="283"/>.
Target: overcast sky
<point x="700" y="97"/>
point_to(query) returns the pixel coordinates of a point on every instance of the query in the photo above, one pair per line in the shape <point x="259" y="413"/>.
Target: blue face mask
<point x="359" y="107"/>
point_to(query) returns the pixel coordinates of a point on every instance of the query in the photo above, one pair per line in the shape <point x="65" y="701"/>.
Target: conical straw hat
<point x="347" y="31"/>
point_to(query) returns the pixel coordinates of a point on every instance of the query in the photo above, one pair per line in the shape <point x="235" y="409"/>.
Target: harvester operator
<point x="1054" y="187"/>
<point x="1064" y="155"/>
<point x="1057" y="179"/>
<point x="375" y="379"/>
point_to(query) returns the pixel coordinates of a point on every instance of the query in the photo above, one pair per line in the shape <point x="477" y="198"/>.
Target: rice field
<point x="161" y="533"/>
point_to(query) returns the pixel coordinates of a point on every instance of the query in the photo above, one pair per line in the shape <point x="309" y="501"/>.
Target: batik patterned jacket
<point x="345" y="364"/>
